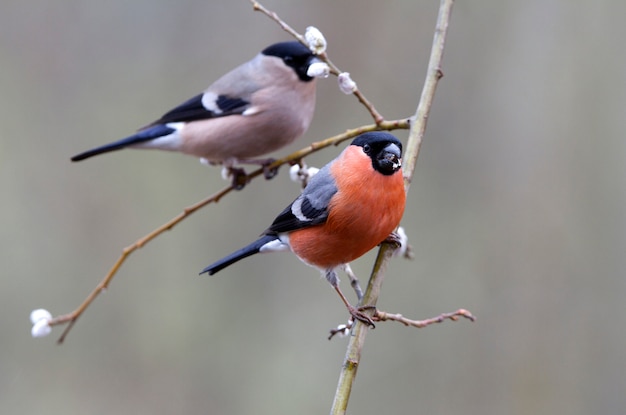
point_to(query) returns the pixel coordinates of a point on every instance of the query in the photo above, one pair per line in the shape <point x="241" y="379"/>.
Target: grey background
<point x="517" y="212"/>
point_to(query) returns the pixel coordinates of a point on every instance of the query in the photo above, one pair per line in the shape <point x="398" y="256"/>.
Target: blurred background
<point x="517" y="212"/>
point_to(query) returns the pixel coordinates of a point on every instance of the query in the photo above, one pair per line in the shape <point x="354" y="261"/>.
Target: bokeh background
<point x="517" y="212"/>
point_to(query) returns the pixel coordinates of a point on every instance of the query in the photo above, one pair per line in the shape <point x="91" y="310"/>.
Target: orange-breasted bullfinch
<point x="258" y="107"/>
<point x="351" y="205"/>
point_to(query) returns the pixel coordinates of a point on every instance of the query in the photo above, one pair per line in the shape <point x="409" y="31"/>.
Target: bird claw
<point x="269" y="173"/>
<point x="400" y="242"/>
<point x="357" y="314"/>
<point x="239" y="177"/>
<point x="394" y="239"/>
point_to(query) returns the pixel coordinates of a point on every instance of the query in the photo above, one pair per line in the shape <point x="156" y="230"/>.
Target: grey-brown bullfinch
<point x="258" y="107"/>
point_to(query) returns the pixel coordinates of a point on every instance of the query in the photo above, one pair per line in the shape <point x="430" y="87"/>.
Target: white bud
<point x="41" y="328"/>
<point x="302" y="174"/>
<point x="226" y="173"/>
<point x="294" y="173"/>
<point x="346" y="84"/>
<point x="404" y="242"/>
<point x="312" y="171"/>
<point x="315" y="40"/>
<point x="343" y="330"/>
<point x="39" y="314"/>
<point x="318" y="70"/>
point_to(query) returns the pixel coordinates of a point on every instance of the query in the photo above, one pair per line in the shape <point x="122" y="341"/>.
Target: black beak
<point x="390" y="159"/>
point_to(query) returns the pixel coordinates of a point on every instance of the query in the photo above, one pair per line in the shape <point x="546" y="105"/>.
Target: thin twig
<point x="434" y="74"/>
<point x="454" y="316"/>
<point x="103" y="285"/>
<point x="72" y="317"/>
<point x="354" y="281"/>
<point x="378" y="118"/>
<point x="379" y="315"/>
<point x="274" y="16"/>
<point x="418" y="127"/>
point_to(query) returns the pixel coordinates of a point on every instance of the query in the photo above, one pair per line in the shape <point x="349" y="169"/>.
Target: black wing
<point x="310" y="208"/>
<point x="193" y="109"/>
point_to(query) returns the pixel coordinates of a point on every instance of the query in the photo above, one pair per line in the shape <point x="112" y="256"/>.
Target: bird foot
<point x="264" y="163"/>
<point x="394" y="239"/>
<point x="358" y="314"/>
<point x="269" y="173"/>
<point x="400" y="242"/>
<point x="343" y="329"/>
<point x="239" y="177"/>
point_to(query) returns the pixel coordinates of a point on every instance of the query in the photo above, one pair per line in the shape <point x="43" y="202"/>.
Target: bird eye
<point x="288" y="59"/>
<point x="366" y="148"/>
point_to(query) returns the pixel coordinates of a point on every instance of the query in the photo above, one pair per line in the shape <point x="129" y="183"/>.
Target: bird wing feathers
<point x="310" y="208"/>
<point x="196" y="108"/>
<point x="229" y="95"/>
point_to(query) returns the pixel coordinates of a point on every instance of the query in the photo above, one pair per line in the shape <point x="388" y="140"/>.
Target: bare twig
<point x="354" y="281"/>
<point x="454" y="316"/>
<point x="384" y="316"/>
<point x="418" y="127"/>
<point x="72" y="317"/>
<point x="378" y="118"/>
<point x="274" y="16"/>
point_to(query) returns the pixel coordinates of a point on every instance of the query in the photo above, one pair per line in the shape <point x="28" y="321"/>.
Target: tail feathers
<point x="253" y="248"/>
<point x="142" y="136"/>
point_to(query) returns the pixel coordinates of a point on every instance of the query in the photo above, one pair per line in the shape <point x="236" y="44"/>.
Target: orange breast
<point x="367" y="207"/>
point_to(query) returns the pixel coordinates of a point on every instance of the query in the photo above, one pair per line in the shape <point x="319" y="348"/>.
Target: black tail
<point x="242" y="253"/>
<point x="142" y="136"/>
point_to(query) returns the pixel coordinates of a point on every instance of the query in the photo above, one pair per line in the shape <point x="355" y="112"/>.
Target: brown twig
<point x="454" y="316"/>
<point x="71" y="318"/>
<point x="274" y="16"/>
<point x="384" y="316"/>
<point x="378" y="118"/>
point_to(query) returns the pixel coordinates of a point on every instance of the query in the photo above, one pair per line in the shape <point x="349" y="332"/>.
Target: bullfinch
<point x="258" y="107"/>
<point x="351" y="205"/>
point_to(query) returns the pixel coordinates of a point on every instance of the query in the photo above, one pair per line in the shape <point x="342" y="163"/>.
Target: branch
<point x="344" y="329"/>
<point x="378" y="119"/>
<point x="418" y="127"/>
<point x="71" y="318"/>
<point x="454" y="316"/>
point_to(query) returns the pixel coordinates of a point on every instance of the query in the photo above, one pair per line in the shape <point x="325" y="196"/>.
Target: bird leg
<point x="356" y="313"/>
